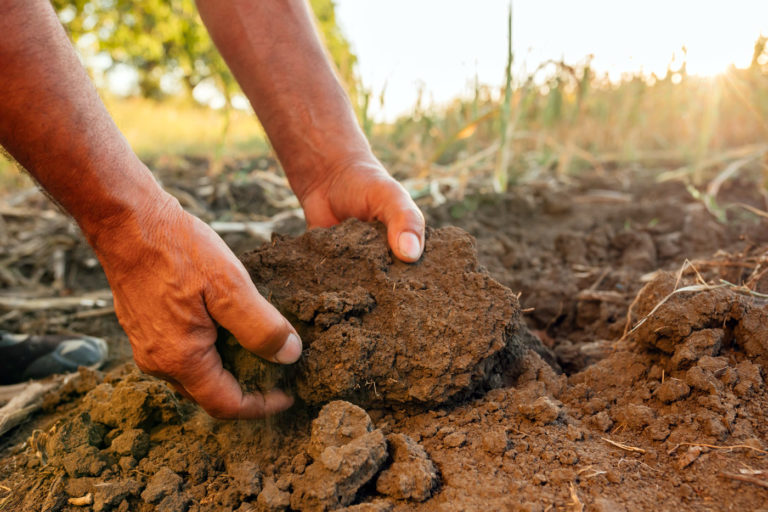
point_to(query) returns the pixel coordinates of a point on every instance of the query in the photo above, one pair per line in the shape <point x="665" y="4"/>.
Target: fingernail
<point x="409" y="245"/>
<point x="291" y="350"/>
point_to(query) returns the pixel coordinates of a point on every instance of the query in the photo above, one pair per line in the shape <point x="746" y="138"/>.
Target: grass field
<point x="182" y="127"/>
<point x="563" y="119"/>
<point x="171" y="127"/>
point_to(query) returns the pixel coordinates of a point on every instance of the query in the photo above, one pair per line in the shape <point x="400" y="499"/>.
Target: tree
<point x="161" y="38"/>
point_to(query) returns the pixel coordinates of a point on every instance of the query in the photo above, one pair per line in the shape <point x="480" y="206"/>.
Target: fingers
<point x="217" y="391"/>
<point x="405" y="222"/>
<point x="235" y="303"/>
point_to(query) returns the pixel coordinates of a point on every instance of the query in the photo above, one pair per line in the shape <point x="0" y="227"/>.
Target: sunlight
<point x="447" y="43"/>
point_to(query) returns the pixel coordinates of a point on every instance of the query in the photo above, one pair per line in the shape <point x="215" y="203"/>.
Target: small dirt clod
<point x="412" y="475"/>
<point x="672" y="390"/>
<point x="543" y="410"/>
<point x="337" y="424"/>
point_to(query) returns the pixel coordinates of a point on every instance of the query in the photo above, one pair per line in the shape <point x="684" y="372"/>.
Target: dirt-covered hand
<point x="363" y="189"/>
<point x="172" y="278"/>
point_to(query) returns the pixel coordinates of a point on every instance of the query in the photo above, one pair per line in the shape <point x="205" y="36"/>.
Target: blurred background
<point x="491" y="91"/>
<point x="584" y="144"/>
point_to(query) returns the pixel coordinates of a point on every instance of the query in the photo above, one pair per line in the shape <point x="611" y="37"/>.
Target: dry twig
<point x="26" y="401"/>
<point x="746" y="478"/>
<point x="99" y="299"/>
<point x="82" y="315"/>
<point x="82" y="501"/>
<point x="623" y="446"/>
<point x="600" y="296"/>
<point x="575" y="505"/>
<point x="5" y="498"/>
<point x="728" y="448"/>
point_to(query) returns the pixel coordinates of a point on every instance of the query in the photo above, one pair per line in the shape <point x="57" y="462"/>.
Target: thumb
<point x="405" y="223"/>
<point x="235" y="303"/>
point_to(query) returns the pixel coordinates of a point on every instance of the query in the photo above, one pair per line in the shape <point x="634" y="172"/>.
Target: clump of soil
<point x="348" y="453"/>
<point x="377" y="330"/>
<point x="694" y="321"/>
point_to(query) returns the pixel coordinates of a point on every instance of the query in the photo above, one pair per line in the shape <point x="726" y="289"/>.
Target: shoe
<point x="25" y="357"/>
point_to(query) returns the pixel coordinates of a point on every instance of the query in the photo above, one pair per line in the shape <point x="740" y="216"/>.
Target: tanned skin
<point x="172" y="277"/>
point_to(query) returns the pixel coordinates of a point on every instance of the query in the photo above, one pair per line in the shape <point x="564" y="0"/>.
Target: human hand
<point x="363" y="189"/>
<point x="172" y="277"/>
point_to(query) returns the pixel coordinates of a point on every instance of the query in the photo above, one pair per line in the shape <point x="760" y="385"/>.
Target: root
<point x="590" y="472"/>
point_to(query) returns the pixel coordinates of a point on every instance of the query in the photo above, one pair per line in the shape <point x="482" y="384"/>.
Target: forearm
<point x="273" y="50"/>
<point x="53" y="122"/>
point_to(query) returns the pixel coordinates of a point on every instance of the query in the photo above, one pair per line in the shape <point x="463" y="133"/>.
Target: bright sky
<point x="443" y="44"/>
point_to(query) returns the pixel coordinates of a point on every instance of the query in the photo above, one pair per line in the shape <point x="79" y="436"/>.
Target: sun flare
<point x="448" y="43"/>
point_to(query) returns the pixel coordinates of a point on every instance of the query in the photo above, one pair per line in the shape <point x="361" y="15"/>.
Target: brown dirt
<point x="671" y="416"/>
<point x="576" y="253"/>
<point x="380" y="331"/>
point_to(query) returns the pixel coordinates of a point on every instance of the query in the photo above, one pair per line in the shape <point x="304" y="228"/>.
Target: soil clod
<point x="412" y="474"/>
<point x="342" y="467"/>
<point x="377" y="330"/>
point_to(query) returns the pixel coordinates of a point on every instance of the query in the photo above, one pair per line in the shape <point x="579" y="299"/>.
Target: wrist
<point x="310" y="174"/>
<point x="112" y="198"/>
<point x="132" y="222"/>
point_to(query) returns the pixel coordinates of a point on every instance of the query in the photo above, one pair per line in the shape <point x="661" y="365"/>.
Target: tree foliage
<point x="166" y="37"/>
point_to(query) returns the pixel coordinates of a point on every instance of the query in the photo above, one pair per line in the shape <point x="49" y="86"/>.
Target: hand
<point x="172" y="276"/>
<point x="364" y="190"/>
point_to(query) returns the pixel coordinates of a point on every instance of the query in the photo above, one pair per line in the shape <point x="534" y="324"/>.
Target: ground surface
<point x="655" y="399"/>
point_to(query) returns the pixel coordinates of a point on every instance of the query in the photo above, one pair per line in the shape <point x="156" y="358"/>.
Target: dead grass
<point x="171" y="127"/>
<point x="727" y="447"/>
<point x="746" y="478"/>
<point x="180" y="127"/>
<point x="563" y="119"/>
<point x="623" y="446"/>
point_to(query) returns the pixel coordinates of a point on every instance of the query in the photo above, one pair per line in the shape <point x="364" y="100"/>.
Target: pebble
<point x="689" y="457"/>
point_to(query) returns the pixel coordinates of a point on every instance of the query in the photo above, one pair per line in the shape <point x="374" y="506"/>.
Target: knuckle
<point x="163" y="364"/>
<point x="230" y="279"/>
